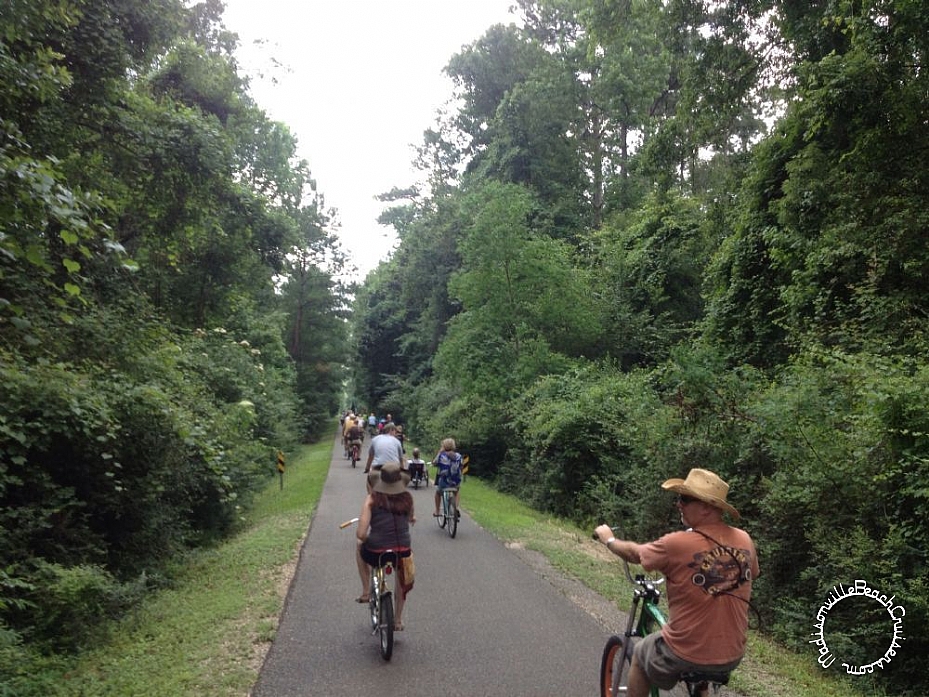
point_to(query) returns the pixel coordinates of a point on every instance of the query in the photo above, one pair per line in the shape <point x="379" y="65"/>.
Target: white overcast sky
<point x="362" y="80"/>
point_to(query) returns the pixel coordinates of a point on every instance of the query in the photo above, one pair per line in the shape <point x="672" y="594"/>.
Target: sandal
<point x="398" y="626"/>
<point x="362" y="599"/>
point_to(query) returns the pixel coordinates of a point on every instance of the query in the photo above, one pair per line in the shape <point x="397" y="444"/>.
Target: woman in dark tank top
<point x="384" y="523"/>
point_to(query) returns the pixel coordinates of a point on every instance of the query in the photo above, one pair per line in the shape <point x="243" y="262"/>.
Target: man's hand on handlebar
<point x="603" y="533"/>
<point x="625" y="549"/>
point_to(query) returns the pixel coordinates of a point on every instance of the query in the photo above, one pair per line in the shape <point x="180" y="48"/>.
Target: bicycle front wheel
<point x="387" y="626"/>
<point x="452" y="516"/>
<point x="443" y="511"/>
<point x="614" y="666"/>
<point x="614" y="670"/>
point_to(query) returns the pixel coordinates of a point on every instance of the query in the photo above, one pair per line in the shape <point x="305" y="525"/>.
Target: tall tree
<point x="838" y="200"/>
<point x="525" y="310"/>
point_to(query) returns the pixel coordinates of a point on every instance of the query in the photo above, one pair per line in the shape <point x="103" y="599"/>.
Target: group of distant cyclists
<point x="388" y="511"/>
<point x="709" y="566"/>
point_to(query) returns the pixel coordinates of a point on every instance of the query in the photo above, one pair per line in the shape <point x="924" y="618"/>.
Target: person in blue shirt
<point x="448" y="461"/>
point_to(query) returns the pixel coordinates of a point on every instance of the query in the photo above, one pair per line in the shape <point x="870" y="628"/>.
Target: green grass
<point x="208" y="634"/>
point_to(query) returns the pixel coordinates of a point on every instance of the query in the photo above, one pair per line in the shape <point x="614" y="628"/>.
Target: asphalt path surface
<point x="482" y="619"/>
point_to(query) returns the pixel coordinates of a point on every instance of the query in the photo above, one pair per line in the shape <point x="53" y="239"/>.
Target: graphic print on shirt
<point x="721" y="569"/>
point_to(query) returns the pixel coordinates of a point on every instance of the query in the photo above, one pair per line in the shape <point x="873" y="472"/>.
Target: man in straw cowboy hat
<point x="709" y="568"/>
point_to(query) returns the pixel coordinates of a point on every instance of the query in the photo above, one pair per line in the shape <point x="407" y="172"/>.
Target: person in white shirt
<point x="384" y="448"/>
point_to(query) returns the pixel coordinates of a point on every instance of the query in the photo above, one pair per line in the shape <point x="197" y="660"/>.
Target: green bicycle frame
<point x="644" y="618"/>
<point x="651" y="618"/>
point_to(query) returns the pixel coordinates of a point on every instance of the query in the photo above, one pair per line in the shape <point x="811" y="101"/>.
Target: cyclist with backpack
<point x="449" y="464"/>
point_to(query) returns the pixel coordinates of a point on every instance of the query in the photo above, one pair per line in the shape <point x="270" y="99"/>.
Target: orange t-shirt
<point x="704" y="628"/>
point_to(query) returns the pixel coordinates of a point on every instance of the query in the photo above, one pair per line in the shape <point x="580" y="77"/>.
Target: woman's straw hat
<point x="703" y="485"/>
<point x="392" y="479"/>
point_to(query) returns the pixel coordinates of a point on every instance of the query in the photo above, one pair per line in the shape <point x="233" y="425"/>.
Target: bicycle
<point x="418" y="474"/>
<point x="355" y="453"/>
<point x="645" y="617"/>
<point x="448" y="511"/>
<point x="380" y="599"/>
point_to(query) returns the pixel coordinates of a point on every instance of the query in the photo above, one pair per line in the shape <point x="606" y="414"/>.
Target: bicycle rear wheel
<point x="387" y="626"/>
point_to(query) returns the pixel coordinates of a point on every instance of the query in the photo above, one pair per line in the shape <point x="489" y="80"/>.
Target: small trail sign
<point x="281" y="466"/>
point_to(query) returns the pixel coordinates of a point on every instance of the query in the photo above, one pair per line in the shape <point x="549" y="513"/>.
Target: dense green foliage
<point x="660" y="235"/>
<point x="169" y="310"/>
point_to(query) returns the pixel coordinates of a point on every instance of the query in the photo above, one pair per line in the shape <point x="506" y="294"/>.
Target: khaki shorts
<point x="664" y="669"/>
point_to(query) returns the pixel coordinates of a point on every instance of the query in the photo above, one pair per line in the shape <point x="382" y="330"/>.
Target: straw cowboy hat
<point x="392" y="479"/>
<point x="703" y="485"/>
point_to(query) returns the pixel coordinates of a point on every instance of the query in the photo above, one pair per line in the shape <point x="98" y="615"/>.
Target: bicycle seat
<point x="389" y="555"/>
<point x="720" y="678"/>
<point x="390" y="550"/>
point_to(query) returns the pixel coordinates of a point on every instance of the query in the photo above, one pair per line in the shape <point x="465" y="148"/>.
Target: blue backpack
<point x="452" y="462"/>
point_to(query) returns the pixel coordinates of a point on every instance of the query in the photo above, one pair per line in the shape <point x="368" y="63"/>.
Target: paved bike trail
<point x="481" y="620"/>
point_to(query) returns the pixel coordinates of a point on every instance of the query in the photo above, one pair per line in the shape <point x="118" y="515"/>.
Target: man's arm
<point x="626" y="549"/>
<point x="370" y="457"/>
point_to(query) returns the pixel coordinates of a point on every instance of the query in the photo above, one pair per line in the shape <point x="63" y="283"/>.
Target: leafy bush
<point x="851" y="440"/>
<point x="582" y="446"/>
<point x="75" y="601"/>
<point x="119" y="466"/>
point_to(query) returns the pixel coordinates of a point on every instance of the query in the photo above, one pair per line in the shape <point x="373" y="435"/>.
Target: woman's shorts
<point x="373" y="557"/>
<point x="664" y="669"/>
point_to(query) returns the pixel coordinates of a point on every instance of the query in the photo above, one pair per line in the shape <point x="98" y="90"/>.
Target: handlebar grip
<point x="347" y="523"/>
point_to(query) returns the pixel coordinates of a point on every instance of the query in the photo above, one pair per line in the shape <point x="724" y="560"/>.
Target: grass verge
<point x="208" y="634"/>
